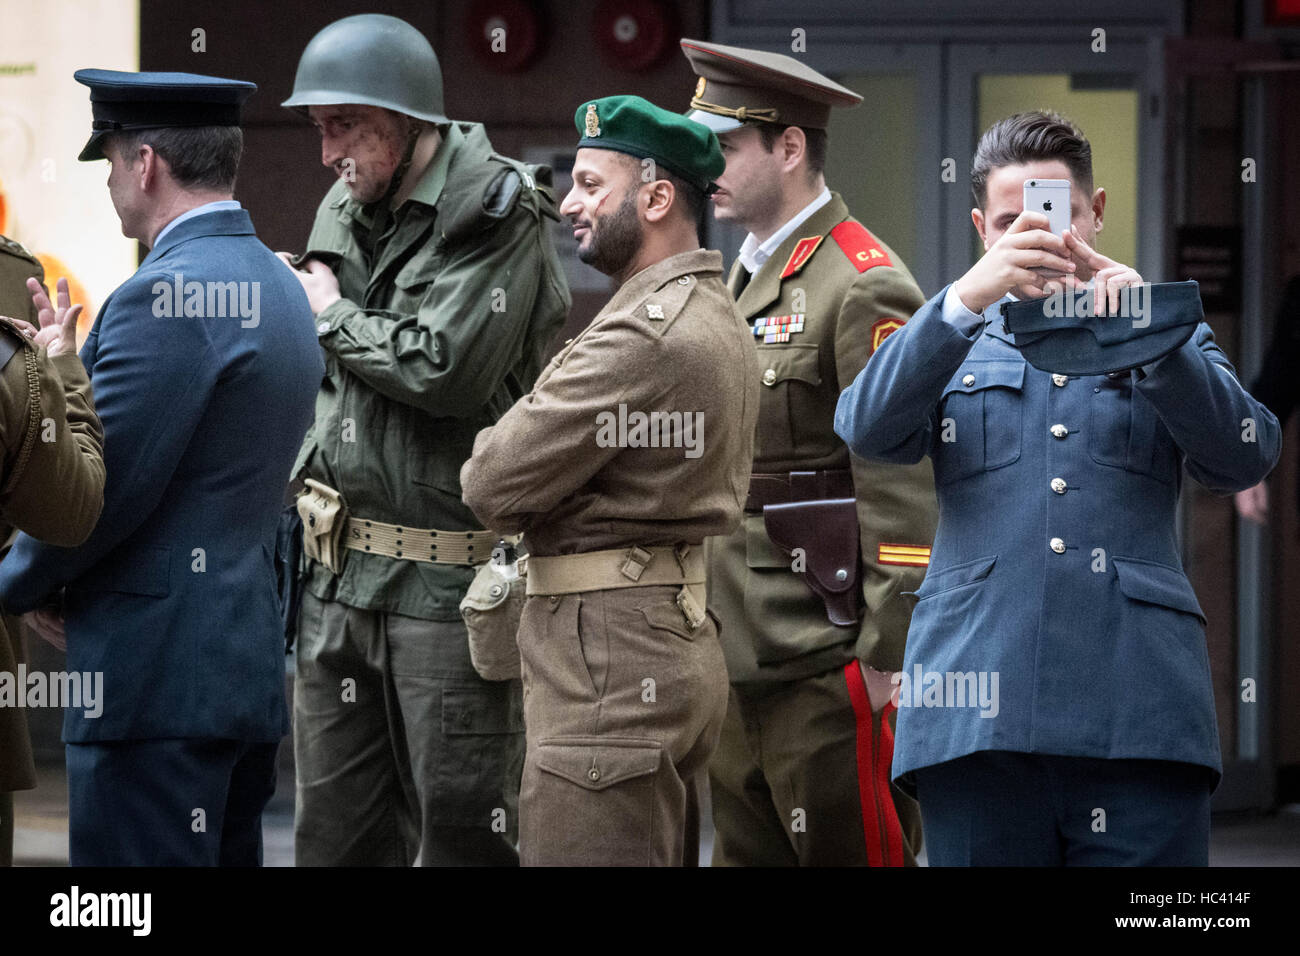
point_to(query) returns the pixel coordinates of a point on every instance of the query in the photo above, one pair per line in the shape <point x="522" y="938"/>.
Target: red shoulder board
<point x="881" y="329"/>
<point x="803" y="251"/>
<point x="859" y="245"/>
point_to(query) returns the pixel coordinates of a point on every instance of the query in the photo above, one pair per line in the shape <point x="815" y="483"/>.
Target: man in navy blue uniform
<point x="205" y="368"/>
<point x="1055" y="705"/>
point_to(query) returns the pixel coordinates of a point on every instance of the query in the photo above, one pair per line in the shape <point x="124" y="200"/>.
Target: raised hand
<point x="58" y="332"/>
<point x="1108" y="275"/>
<point x="1027" y="260"/>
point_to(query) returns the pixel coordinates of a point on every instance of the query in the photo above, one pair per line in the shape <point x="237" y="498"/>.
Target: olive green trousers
<point x="801" y="778"/>
<point x="400" y="746"/>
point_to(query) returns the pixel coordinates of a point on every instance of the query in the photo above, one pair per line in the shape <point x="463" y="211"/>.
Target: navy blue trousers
<point x="181" y="802"/>
<point x="1000" y="808"/>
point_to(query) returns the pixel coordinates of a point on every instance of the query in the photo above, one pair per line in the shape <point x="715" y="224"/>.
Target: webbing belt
<point x="634" y="567"/>
<point x="421" y="544"/>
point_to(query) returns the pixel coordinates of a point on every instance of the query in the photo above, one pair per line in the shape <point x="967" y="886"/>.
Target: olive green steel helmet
<point x="374" y="60"/>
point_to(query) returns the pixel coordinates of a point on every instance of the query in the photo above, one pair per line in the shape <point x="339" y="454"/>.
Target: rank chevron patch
<point x="912" y="555"/>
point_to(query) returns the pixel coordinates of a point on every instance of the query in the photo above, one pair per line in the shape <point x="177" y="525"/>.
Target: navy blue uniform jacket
<point x="173" y="597"/>
<point x="1071" y="592"/>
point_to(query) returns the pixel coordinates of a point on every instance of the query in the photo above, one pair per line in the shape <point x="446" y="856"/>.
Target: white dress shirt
<point x="754" y="253"/>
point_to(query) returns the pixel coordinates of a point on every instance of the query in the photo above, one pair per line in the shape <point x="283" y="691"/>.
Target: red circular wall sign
<point x="633" y="35"/>
<point x="505" y="35"/>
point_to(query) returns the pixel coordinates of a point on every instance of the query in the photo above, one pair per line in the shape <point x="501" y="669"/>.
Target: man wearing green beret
<point x="633" y="447"/>
<point x="810" y="590"/>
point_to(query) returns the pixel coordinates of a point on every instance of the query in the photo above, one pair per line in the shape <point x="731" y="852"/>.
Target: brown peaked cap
<point x="739" y="85"/>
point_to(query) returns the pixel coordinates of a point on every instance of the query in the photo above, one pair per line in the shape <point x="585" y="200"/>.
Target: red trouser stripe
<point x="879" y="816"/>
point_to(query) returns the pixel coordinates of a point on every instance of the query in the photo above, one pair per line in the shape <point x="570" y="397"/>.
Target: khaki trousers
<point x="400" y="745"/>
<point x="623" y="704"/>
<point x="801" y="778"/>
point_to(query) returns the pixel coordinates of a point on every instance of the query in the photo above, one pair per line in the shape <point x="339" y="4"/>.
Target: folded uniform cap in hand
<point x="1059" y="333"/>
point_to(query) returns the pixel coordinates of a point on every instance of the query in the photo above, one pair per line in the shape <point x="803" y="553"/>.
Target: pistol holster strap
<point x="784" y="487"/>
<point x="633" y="567"/>
<point x="421" y="544"/>
<point x="827" y="534"/>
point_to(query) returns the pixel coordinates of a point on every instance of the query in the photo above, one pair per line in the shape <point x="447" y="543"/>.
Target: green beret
<point x="631" y="125"/>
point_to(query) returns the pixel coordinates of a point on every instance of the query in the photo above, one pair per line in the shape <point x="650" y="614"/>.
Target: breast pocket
<point x="792" y="404"/>
<point x="981" y="420"/>
<point x="1124" y="430"/>
<point x="412" y="283"/>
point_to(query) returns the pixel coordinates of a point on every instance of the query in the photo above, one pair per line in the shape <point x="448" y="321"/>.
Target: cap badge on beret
<point x="593" y="121"/>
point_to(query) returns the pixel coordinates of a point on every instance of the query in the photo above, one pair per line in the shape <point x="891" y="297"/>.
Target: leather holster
<point x="826" y="532"/>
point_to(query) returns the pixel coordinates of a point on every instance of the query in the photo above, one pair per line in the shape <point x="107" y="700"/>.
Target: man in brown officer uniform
<point x="53" y="490"/>
<point x="633" y="447"/>
<point x="808" y="589"/>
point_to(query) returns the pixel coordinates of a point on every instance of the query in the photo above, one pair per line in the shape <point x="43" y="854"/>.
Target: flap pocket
<point x="441" y="475"/>
<point x="959" y="575"/>
<point x="438" y="466"/>
<point x="144" y="571"/>
<point x="979" y="375"/>
<point x="471" y="711"/>
<point x="596" y="763"/>
<point x="421" y="270"/>
<point x="1157" y="584"/>
<point x="667" y="617"/>
<point x="760" y="552"/>
<point x="790" y="362"/>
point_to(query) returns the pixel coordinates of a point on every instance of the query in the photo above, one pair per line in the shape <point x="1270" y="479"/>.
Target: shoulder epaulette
<point x="862" y="248"/>
<point x="661" y="307"/>
<point x="16" y="248"/>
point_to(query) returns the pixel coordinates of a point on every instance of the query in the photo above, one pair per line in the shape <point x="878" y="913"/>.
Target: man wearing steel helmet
<point x="435" y="290"/>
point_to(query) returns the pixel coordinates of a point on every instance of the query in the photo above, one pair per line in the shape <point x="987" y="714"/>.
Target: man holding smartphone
<point x="1055" y="705"/>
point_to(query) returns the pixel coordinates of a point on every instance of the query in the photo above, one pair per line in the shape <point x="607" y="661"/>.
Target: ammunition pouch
<point x="826" y="533"/>
<point x="491" y="609"/>
<point x="324" y="515"/>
